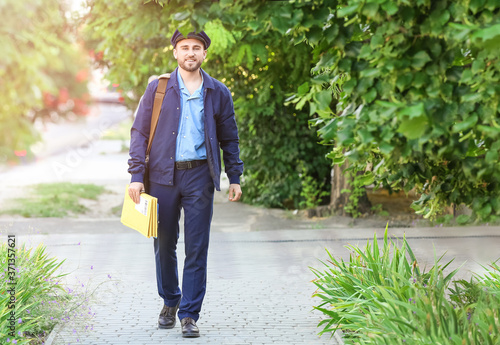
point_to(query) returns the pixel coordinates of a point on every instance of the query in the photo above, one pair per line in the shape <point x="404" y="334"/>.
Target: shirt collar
<point x="183" y="88"/>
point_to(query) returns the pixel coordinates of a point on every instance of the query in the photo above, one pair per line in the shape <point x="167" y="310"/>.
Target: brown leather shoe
<point x="189" y="328"/>
<point x="167" y="318"/>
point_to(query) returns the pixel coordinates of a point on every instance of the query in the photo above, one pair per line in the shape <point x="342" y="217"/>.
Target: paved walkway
<point x="259" y="289"/>
<point x="259" y="284"/>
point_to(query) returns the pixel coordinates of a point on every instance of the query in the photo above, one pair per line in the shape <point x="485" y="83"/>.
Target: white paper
<point x="142" y="206"/>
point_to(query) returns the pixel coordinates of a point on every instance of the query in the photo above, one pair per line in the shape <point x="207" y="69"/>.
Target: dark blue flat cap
<point x="200" y="36"/>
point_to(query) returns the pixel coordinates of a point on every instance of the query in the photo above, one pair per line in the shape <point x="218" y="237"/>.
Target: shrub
<point x="40" y="299"/>
<point x="379" y="297"/>
<point x="418" y="108"/>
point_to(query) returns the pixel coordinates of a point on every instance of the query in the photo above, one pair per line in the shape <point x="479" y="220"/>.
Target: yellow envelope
<point x="142" y="217"/>
<point x="153" y="225"/>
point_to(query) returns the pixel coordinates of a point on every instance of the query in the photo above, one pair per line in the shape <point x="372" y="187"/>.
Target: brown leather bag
<point x="159" y="96"/>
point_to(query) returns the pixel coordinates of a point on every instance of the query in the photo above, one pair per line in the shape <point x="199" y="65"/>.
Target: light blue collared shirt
<point x="190" y="144"/>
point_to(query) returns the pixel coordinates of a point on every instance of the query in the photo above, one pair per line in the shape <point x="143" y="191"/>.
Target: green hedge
<point x="418" y="104"/>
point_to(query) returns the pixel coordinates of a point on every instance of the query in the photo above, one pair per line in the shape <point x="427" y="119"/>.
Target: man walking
<point x="196" y="121"/>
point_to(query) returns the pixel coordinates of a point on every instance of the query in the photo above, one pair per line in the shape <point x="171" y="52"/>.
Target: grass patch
<point x="117" y="210"/>
<point x="55" y="200"/>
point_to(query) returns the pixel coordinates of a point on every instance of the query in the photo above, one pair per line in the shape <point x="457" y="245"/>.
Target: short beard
<point x="195" y="67"/>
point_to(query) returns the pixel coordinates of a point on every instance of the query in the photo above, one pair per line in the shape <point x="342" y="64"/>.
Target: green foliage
<point x="465" y="293"/>
<point x="250" y="55"/>
<point x="380" y="296"/>
<point x="420" y="103"/>
<point x="37" y="290"/>
<point x="377" y="209"/>
<point x="41" y="66"/>
<point x="312" y="192"/>
<point x="346" y="286"/>
<point x="446" y="219"/>
<point x="55" y="200"/>
<point x="463" y="219"/>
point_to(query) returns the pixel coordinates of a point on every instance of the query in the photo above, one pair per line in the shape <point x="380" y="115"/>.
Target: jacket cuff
<point x="137" y="178"/>
<point x="234" y="179"/>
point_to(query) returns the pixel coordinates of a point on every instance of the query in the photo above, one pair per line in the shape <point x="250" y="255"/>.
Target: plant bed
<point x="381" y="296"/>
<point x="32" y="296"/>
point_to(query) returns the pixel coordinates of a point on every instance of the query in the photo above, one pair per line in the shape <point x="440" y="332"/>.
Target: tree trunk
<point x="339" y="182"/>
<point x="338" y="199"/>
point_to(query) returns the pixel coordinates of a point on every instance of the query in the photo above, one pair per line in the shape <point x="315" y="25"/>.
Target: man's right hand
<point x="134" y="190"/>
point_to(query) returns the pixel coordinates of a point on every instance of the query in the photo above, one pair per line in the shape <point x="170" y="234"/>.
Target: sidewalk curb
<point x="53" y="334"/>
<point x="339" y="336"/>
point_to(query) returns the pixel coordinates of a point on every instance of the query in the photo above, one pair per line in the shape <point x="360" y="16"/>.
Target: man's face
<point x="190" y="53"/>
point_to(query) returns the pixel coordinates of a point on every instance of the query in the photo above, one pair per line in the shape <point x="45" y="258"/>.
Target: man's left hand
<point x="234" y="192"/>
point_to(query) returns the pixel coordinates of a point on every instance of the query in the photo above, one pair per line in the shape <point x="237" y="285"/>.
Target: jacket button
<point x="173" y="132"/>
<point x="177" y="108"/>
<point x="171" y="158"/>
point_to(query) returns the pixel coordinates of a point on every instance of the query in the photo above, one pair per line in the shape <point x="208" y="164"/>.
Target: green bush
<point x="382" y="297"/>
<point x="40" y="298"/>
<point x="312" y="193"/>
<point x="419" y="109"/>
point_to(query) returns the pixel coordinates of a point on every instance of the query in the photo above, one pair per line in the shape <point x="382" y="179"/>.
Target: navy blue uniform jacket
<point x="220" y="133"/>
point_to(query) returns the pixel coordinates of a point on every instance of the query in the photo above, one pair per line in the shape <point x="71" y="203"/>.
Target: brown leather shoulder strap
<point x="160" y="94"/>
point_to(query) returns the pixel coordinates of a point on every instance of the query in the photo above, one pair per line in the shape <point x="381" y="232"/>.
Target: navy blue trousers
<point x="193" y="191"/>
